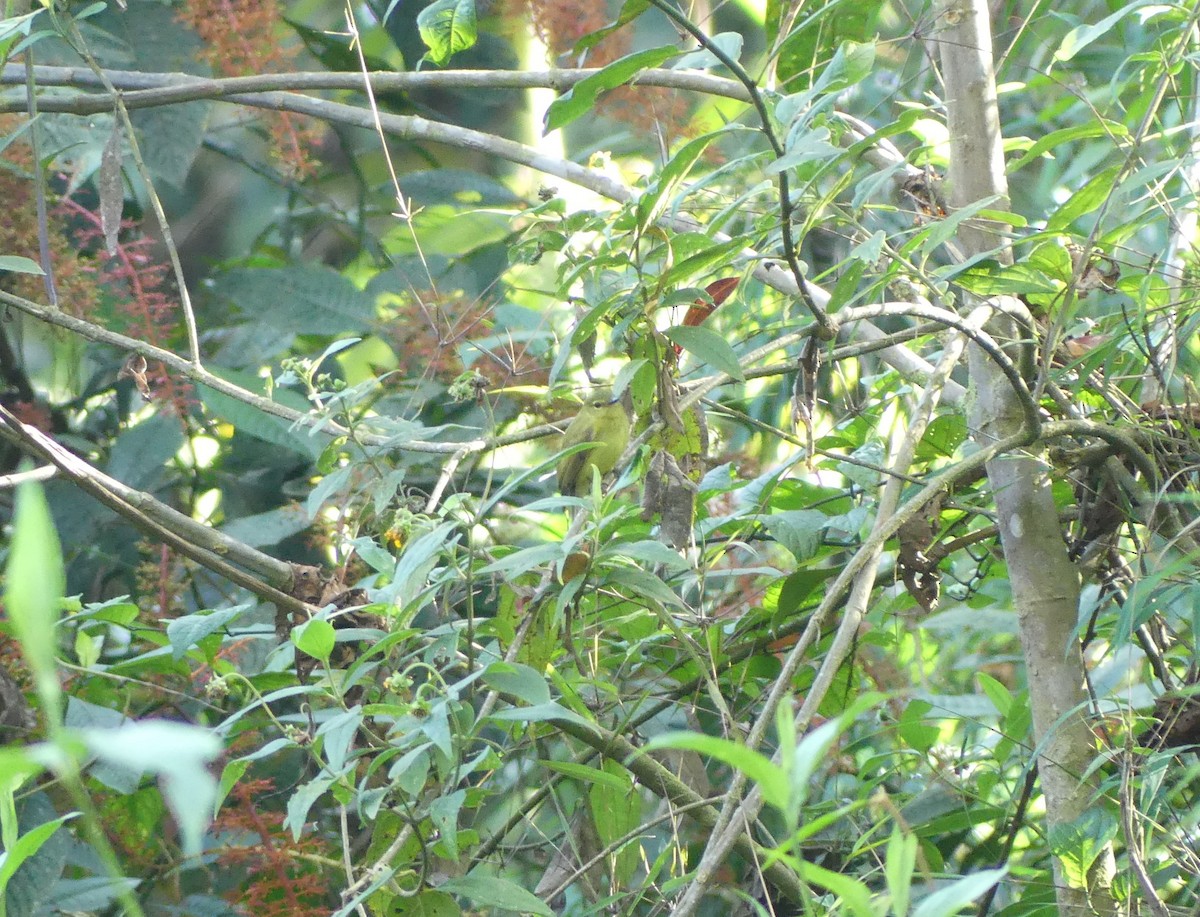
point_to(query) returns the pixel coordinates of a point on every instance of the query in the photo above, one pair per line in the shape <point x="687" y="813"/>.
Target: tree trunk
<point x="1045" y="583"/>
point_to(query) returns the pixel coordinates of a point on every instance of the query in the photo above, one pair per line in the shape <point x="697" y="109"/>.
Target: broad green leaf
<point x="914" y="726"/>
<point x="518" y="680"/>
<point x="771" y="779"/>
<point x="33" y="594"/>
<point x="315" y="637"/>
<point x="1085" y="200"/>
<point x="300" y="298"/>
<point x="447" y="27"/>
<point x="302" y="801"/>
<point x="942" y="438"/>
<point x="1081" y="36"/>
<point x="849" y="891"/>
<point x="26" y="846"/>
<point x="180" y="755"/>
<point x="996" y="692"/>
<point x="443" y="812"/>
<point x="960" y="893"/>
<point x="709" y="347"/>
<point x="250" y="421"/>
<point x="19" y="265"/>
<point x="798" y="530"/>
<point x="185" y="632"/>
<point x="496" y="892"/>
<point x="898" y="866"/>
<point x="581" y="98"/>
<point x="851" y="63"/>
<point x="728" y="43"/>
<point x="1077" y="844"/>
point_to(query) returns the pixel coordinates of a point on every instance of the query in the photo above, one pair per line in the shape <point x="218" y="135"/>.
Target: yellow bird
<point x="605" y="422"/>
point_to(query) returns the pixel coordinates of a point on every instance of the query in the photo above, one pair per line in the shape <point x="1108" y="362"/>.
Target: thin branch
<point x="202" y="544"/>
<point x="827" y="327"/>
<point x="171" y="88"/>
<point x="412" y="128"/>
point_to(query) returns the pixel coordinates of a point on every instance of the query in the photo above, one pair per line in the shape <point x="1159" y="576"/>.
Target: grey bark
<point x="1045" y="583"/>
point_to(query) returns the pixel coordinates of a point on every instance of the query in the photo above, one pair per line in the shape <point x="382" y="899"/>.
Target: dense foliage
<point x="877" y="597"/>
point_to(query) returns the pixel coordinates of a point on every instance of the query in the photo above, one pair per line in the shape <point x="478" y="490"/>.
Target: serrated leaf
<point x="301" y="298"/>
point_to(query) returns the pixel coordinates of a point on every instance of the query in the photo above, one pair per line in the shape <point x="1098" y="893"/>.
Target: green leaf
<point x="443" y="813"/>
<point x="672" y="174"/>
<point x="497" y="892"/>
<point x="616" y="812"/>
<point x="447" y="27"/>
<point x="301" y="801"/>
<point x="851" y="892"/>
<point x="33" y="594"/>
<point x="1077" y="844"/>
<point x="914" y="729"/>
<point x="581" y="98"/>
<point x="185" y="632"/>
<point x="179" y="754"/>
<point x="798" y="530"/>
<point x="19" y="265"/>
<point x="585" y="774"/>
<point x="708" y="346"/>
<point x="630" y="10"/>
<point x="518" y="680"/>
<point x="852" y="62"/>
<point x="952" y="899"/>
<point x="315" y="637"/>
<point x="429" y="903"/>
<point x="898" y="868"/>
<point x="1081" y="36"/>
<point x="1110" y="130"/>
<point x="942" y="438"/>
<point x="728" y="43"/>
<point x="999" y="695"/>
<point x="26" y="846"/>
<point x="250" y="421"/>
<point x="770" y="778"/>
<point x="1085" y="200"/>
<point x="337" y="734"/>
<point x="549" y="712"/>
<point x="300" y="298"/>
